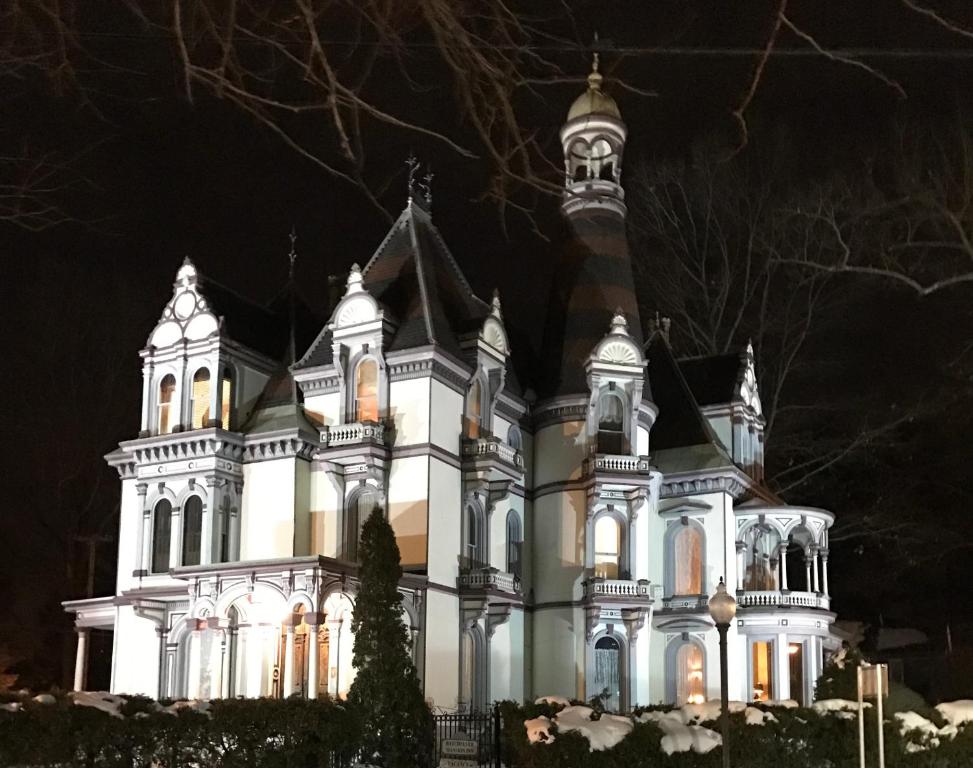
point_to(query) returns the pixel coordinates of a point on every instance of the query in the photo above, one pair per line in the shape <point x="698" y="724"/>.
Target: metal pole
<point x="861" y="722"/>
<point x="724" y="695"/>
<point x="878" y="710"/>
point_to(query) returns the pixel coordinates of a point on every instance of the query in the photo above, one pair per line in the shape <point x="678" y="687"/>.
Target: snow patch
<point x="13" y="706"/>
<point x="680" y="737"/>
<point x="782" y="703"/>
<point x="756" y="716"/>
<point x="929" y="735"/>
<point x="956" y="712"/>
<point x="106" y="702"/>
<point x="539" y="730"/>
<point x="842" y="708"/>
<point x="603" y="733"/>
<point x="44" y="698"/>
<point x="556" y="701"/>
<point x="193" y="704"/>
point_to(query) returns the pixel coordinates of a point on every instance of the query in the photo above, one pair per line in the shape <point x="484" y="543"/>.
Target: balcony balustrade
<point x="489" y="578"/>
<point x="627" y="590"/>
<point x="604" y="462"/>
<point x="782" y="599"/>
<point x="685" y="603"/>
<point x="487" y="447"/>
<point x="356" y="433"/>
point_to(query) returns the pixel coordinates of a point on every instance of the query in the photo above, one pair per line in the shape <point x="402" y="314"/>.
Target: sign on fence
<point x="458" y="753"/>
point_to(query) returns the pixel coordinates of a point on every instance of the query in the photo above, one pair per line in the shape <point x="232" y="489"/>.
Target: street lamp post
<point x="722" y="609"/>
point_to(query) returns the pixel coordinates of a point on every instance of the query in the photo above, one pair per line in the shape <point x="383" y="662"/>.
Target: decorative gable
<point x="188" y="314"/>
<point x="493" y="333"/>
<point x="747" y="390"/>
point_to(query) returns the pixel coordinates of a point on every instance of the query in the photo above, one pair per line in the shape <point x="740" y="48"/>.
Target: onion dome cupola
<point x="593" y="139"/>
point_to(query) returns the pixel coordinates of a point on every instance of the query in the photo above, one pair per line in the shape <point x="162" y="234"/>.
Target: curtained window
<point x="690" y="686"/>
<point x="201" y="399"/>
<point x="192" y="530"/>
<point x="167" y="388"/>
<point x="688" y="560"/>
<point x="366" y="391"/>
<point x="161" y="531"/>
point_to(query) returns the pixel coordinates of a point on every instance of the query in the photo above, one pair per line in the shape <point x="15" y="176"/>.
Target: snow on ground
<point x="931" y="734"/>
<point x="13" y="706"/>
<point x="603" y="733"/>
<point x="956" y="712"/>
<point x="44" y="698"/>
<point x="842" y="708"/>
<point x="199" y="706"/>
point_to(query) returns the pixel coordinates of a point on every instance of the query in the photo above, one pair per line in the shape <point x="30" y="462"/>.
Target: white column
<point x="214" y="393"/>
<point x="288" y="661"/>
<point x="312" y="661"/>
<point x="783" y="566"/>
<point x="147" y="398"/>
<point x="741" y="564"/>
<point x="814" y="556"/>
<point x="175" y="537"/>
<point x="81" y="659"/>
<point x="807" y="570"/>
<point x="334" y="657"/>
<point x="162" y="632"/>
<point x="824" y="570"/>
<point x="207" y="543"/>
<point x="145" y="531"/>
<point x="782" y="659"/>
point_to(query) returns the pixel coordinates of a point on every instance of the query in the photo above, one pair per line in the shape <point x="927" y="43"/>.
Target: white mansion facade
<point x="561" y="524"/>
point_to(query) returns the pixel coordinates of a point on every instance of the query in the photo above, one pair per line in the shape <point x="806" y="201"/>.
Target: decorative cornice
<point x="278" y="447"/>
<point x="690" y="486"/>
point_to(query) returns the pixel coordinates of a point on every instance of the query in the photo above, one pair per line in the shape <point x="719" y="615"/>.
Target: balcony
<point x="689" y="603"/>
<point x="488" y="578"/>
<point x="357" y="433"/>
<point x="783" y="599"/>
<point x="492" y="448"/>
<point x="620" y="591"/>
<point x="626" y="465"/>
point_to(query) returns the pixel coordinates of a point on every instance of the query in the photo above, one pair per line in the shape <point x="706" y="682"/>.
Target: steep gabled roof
<point x="679" y="423"/>
<point x="713" y="379"/>
<point x="417" y="281"/>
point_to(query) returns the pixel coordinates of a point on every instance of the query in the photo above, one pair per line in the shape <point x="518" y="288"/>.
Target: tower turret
<point x="593" y="139"/>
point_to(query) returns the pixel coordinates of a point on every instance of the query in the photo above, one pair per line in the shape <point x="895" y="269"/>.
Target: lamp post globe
<point x="722" y="609"/>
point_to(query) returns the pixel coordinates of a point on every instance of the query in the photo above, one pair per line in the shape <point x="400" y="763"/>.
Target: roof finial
<point x="413" y="164"/>
<point x="426" y="189"/>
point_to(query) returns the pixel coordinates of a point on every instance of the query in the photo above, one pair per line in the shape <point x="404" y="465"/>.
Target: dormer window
<point x="199" y="407"/>
<point x="611" y="423"/>
<point x="366" y="391"/>
<point x="474" y="410"/>
<point x="167" y="388"/>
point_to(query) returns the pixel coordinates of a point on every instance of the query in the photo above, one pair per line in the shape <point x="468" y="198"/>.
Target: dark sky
<point x="166" y="178"/>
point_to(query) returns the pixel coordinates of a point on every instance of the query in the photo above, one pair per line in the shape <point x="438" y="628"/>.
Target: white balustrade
<point x="489" y="578"/>
<point x="775" y="599"/>
<point x="616" y="588"/>
<point x="608" y="463"/>
<point x="353" y="434"/>
<point x="487" y="446"/>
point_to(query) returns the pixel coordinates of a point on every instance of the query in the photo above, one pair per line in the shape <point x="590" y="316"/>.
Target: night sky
<point x="159" y="178"/>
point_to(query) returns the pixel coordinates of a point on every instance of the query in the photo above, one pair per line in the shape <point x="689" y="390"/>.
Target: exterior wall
<point x="408" y="507"/>
<point x="326" y="497"/>
<point x="324" y="408"/>
<point x="444" y="524"/>
<point x="135" y="663"/>
<point x="409" y="411"/>
<point x="267" y="517"/>
<point x="442" y="648"/>
<point x="558" y="661"/>
<point x="507" y="659"/>
<point x="447" y="421"/>
<point x="129" y="536"/>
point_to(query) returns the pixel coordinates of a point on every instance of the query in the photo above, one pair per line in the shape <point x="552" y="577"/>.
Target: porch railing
<point x="604" y="462"/>
<point x="781" y="598"/>
<point x="489" y="578"/>
<point x="475" y="447"/>
<point x="617" y="588"/>
<point x="356" y="433"/>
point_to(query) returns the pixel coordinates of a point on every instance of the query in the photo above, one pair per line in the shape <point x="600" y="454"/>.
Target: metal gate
<point x="480" y="727"/>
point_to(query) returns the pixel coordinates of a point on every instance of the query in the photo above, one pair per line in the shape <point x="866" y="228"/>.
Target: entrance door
<point x="607" y="673"/>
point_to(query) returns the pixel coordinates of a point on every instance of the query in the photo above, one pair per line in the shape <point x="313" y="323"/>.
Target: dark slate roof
<point x="419" y="284"/>
<point x="278" y="408"/>
<point x="679" y="423"/>
<point x="712" y="379"/>
<point x="262" y="329"/>
<point x="593" y="281"/>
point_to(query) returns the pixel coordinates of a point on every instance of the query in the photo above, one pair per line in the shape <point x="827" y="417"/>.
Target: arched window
<point x="515" y="439"/>
<point x="474" y="679"/>
<point x="366" y="390"/>
<point x="602" y="160"/>
<point x="762" y="544"/>
<point x="608" y="547"/>
<point x="687" y="558"/>
<point x="474" y="544"/>
<point x="167" y="388"/>
<point x="607" y="671"/>
<point x="226" y="397"/>
<point x="690" y="683"/>
<point x="199" y="408"/>
<point x="225" y="513"/>
<point x="357" y="510"/>
<point x="474" y="409"/>
<point x="611" y="423"/>
<point x="192" y="530"/>
<point x="515" y="541"/>
<point x="161" y="531"/>
<point x="578" y="156"/>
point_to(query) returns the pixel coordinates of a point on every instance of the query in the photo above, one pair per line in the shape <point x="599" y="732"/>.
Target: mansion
<point x="561" y="524"/>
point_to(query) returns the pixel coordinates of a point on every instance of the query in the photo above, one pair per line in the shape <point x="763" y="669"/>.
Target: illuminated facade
<point x="560" y="532"/>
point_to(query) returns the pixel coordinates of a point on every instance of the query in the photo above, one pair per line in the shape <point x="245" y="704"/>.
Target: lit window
<point x="762" y="683"/>
<point x="161" y="528"/>
<point x="795" y="653"/>
<point x="602" y="160"/>
<point x="611" y="424"/>
<point x="688" y="560"/>
<point x="608" y="547"/>
<point x="192" y="530"/>
<point x="474" y="539"/>
<point x="762" y="545"/>
<point x="226" y="397"/>
<point x="474" y="409"/>
<point x="366" y="391"/>
<point x="690" y="685"/>
<point x="166" y="389"/>
<point x="201" y="399"/>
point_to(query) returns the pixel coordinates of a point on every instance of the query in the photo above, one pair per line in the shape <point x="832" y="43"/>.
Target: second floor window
<point x="167" y="388"/>
<point x="192" y="530"/>
<point x="688" y="560"/>
<point x="161" y="531"/>
<point x="608" y="547"/>
<point x="611" y="424"/>
<point x="226" y="396"/>
<point x="474" y="410"/>
<point x="366" y="391"/>
<point x="515" y="543"/>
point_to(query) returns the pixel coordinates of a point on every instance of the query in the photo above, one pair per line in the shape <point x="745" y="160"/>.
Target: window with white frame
<point x="474" y="536"/>
<point x="611" y="423"/>
<point x="515" y="541"/>
<point x="687" y="559"/>
<point x="762" y="551"/>
<point x="366" y="390"/>
<point x="689" y="678"/>
<point x="762" y="670"/>
<point x="161" y="535"/>
<point x="200" y="402"/>
<point x="474" y="409"/>
<point x="167" y="389"/>
<point x="359" y="506"/>
<point x="226" y="397"/>
<point x="608" y="547"/>
<point x="192" y="530"/>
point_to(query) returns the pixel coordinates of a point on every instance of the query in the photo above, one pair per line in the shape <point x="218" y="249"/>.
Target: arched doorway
<point x="608" y="678"/>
